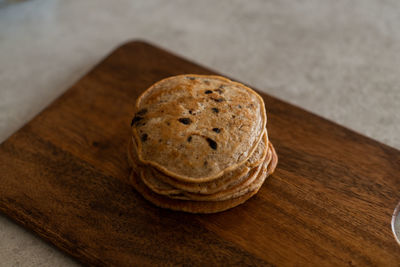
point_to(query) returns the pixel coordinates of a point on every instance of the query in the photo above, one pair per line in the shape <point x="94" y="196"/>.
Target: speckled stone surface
<point x="339" y="59"/>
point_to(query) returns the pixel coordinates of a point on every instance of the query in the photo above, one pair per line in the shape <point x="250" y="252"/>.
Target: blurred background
<point x="339" y="59"/>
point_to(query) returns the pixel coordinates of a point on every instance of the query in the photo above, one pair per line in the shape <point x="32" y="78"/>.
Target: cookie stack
<point x="199" y="144"/>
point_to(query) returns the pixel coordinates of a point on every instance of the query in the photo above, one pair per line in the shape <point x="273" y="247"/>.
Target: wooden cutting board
<point x="64" y="176"/>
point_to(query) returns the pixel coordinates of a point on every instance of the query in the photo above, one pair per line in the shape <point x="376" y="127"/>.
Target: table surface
<point x="339" y="60"/>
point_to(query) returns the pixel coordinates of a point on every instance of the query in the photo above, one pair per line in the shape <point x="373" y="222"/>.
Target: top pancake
<point x="196" y="127"/>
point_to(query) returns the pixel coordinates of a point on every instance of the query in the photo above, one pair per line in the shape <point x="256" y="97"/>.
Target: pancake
<point x="196" y="128"/>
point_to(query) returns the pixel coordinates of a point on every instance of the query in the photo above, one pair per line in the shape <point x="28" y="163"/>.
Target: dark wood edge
<point x="52" y="239"/>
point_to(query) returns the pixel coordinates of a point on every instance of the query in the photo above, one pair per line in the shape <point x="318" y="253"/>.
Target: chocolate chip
<point x="144" y="137"/>
<point x="211" y="143"/>
<point x="185" y="120"/>
<point x="168" y="123"/>
<point x="233" y="116"/>
<point x="207" y="82"/>
<point x="189" y="139"/>
<point x="205" y="163"/>
<point x="208" y="92"/>
<point x="142" y="112"/>
<point x="136" y="119"/>
<point x="159" y="140"/>
<point x="215" y="110"/>
<point x="217" y="130"/>
<point x="239" y="106"/>
<point x="218" y="99"/>
<point x="190" y="112"/>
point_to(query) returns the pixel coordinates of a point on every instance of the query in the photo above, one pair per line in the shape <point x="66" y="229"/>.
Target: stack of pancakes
<point x="199" y="144"/>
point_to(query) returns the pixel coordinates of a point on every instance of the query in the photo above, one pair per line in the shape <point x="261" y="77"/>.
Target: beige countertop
<point x="339" y="59"/>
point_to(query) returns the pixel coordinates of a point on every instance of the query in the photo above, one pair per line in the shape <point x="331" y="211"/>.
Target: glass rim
<point x="396" y="223"/>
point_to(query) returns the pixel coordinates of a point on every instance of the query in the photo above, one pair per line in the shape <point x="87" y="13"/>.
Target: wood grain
<point x="63" y="175"/>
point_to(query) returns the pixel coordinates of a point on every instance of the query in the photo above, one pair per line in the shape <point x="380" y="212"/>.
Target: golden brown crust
<point x="260" y="153"/>
<point x="195" y="149"/>
<point x="274" y="161"/>
<point x="231" y="191"/>
<point x="201" y="206"/>
<point x="187" y="205"/>
<point x="161" y="188"/>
